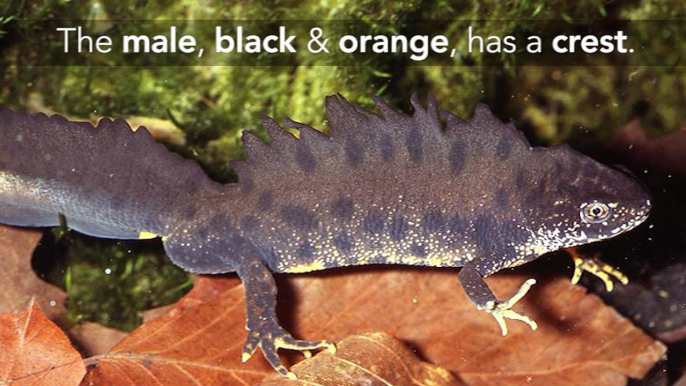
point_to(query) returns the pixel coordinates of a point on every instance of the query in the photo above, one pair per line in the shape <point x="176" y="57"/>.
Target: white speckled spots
<point x="415" y="247"/>
<point x="566" y="233"/>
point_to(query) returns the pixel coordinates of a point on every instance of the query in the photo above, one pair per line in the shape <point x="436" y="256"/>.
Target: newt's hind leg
<point x="263" y="326"/>
<point x="478" y="292"/>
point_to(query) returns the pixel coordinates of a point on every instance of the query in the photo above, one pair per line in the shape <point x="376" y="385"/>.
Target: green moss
<point x="578" y="103"/>
<point x="107" y="281"/>
<point x="659" y="97"/>
<point x="654" y="10"/>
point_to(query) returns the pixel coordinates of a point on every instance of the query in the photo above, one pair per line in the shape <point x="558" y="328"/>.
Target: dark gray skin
<point x="381" y="189"/>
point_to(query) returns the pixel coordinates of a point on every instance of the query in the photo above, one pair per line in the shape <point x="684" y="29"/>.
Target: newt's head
<point x="579" y="201"/>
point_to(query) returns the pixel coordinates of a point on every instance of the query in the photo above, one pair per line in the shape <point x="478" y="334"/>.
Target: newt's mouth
<point x="639" y="217"/>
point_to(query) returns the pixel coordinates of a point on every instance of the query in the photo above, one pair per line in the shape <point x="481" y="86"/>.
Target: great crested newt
<point x="428" y="189"/>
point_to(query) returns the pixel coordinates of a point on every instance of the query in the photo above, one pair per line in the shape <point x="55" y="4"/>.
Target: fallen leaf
<point x="579" y="340"/>
<point x="197" y="342"/>
<point x="20" y="283"/>
<point x="94" y="338"/>
<point x="369" y="359"/>
<point x="205" y="288"/>
<point x="36" y="352"/>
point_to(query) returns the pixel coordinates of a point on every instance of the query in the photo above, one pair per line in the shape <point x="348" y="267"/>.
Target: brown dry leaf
<point x="205" y="288"/>
<point x="579" y="340"/>
<point x="94" y="338"/>
<point x="36" y="352"/>
<point x="369" y="359"/>
<point x="198" y="342"/>
<point x="19" y="283"/>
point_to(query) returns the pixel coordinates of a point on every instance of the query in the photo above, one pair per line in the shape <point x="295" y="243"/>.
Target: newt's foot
<point x="503" y="310"/>
<point x="592" y="265"/>
<point x="272" y="339"/>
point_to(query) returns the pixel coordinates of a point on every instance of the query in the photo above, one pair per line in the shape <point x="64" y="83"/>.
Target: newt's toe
<point x="271" y="340"/>
<point x="503" y="310"/>
<point x="600" y="269"/>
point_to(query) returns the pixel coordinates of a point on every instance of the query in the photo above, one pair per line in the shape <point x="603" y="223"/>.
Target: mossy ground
<point x="584" y="105"/>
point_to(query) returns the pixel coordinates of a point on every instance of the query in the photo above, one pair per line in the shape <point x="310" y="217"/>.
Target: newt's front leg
<point x="262" y="324"/>
<point x="481" y="295"/>
<point x="600" y="269"/>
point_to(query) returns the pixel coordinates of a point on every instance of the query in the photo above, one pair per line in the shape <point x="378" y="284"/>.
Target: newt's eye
<point x="595" y="212"/>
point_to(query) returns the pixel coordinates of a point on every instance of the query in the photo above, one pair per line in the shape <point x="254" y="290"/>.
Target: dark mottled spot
<point x="504" y="146"/>
<point x="514" y="233"/>
<point x="250" y="223"/>
<point x="386" y="146"/>
<point x="343" y="242"/>
<point x="557" y="168"/>
<point x="342" y="208"/>
<point x="458" y="157"/>
<point x="433" y="222"/>
<point x="246" y="184"/>
<point x="354" y="153"/>
<point x="265" y="201"/>
<point x="299" y="217"/>
<point x="306" y="250"/>
<point x="240" y="244"/>
<point x="397" y="228"/>
<point x="501" y="197"/>
<point x="414" y="145"/>
<point x="536" y="192"/>
<point x="492" y="239"/>
<point x="219" y="224"/>
<point x="418" y="250"/>
<point x="457" y="225"/>
<point x="202" y="233"/>
<point x="487" y="237"/>
<point x="190" y="211"/>
<point x="521" y="181"/>
<point x="373" y="223"/>
<point x="305" y="159"/>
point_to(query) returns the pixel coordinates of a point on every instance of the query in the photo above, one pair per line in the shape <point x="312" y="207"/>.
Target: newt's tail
<point x="108" y="181"/>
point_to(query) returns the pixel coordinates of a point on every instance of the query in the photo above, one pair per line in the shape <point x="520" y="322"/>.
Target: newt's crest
<point x="470" y="188"/>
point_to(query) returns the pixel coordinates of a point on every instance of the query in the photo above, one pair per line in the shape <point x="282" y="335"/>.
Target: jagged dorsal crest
<point x="361" y="140"/>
